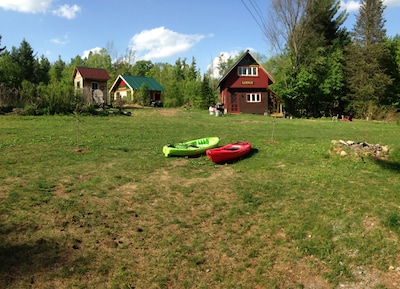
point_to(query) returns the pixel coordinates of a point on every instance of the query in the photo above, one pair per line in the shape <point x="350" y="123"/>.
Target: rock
<point x="385" y="149"/>
<point x="360" y="149"/>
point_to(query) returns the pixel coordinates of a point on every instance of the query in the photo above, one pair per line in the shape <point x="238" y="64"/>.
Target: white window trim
<point x="253" y="97"/>
<point x="247" y="71"/>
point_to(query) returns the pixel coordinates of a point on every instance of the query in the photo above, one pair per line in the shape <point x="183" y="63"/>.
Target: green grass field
<point x="91" y="202"/>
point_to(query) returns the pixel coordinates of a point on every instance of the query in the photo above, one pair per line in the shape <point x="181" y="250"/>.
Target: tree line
<point x="39" y="87"/>
<point x="320" y="67"/>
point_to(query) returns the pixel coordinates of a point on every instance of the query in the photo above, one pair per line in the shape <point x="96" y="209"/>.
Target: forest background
<point x="319" y="66"/>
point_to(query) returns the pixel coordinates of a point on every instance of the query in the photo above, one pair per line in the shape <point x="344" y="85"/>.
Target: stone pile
<point x="360" y="149"/>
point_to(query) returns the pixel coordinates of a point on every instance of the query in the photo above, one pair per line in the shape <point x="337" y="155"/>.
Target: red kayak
<point x="229" y="152"/>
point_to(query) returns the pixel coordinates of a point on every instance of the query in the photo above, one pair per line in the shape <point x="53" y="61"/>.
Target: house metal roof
<point x="135" y="82"/>
<point x="92" y="73"/>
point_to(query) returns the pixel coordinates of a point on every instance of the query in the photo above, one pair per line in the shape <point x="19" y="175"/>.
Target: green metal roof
<point x="137" y="81"/>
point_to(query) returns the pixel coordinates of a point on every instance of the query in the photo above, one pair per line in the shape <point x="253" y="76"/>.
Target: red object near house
<point x="245" y="88"/>
<point x="349" y="117"/>
<point x="229" y="152"/>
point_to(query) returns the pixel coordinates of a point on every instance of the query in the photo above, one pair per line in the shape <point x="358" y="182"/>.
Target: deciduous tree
<point x="309" y="40"/>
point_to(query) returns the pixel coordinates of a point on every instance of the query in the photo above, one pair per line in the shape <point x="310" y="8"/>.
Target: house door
<point x="234" y="104"/>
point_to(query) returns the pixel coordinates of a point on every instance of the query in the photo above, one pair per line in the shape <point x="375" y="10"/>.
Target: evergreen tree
<point x="56" y="71"/>
<point x="367" y="59"/>
<point x="43" y="70"/>
<point x="393" y="91"/>
<point x="2" y="48"/>
<point x="143" y="96"/>
<point x="324" y="55"/>
<point x="179" y="69"/>
<point x="207" y="96"/>
<point x="25" y="58"/>
<point x="192" y="73"/>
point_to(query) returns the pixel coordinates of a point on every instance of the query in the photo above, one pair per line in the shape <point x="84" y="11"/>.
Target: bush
<point x="382" y="113"/>
<point x="30" y="110"/>
<point x="93" y="110"/>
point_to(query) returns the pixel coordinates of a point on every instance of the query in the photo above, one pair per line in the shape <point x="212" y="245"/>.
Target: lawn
<point x="91" y="202"/>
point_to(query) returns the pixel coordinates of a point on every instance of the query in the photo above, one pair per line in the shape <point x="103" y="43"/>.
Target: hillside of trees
<point x="319" y="66"/>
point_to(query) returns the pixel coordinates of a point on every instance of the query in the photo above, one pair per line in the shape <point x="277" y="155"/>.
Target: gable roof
<point x="135" y="82"/>
<point x="92" y="73"/>
<point x="240" y="60"/>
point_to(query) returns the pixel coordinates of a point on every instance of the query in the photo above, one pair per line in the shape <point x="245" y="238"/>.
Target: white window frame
<point x="248" y="71"/>
<point x="253" y="97"/>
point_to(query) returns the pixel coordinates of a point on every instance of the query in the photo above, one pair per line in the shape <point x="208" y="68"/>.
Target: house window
<point x="253" y="97"/>
<point x="78" y="84"/>
<point x="95" y="85"/>
<point x="247" y="71"/>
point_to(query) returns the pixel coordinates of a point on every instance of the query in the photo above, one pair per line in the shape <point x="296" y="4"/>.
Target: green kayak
<point x="191" y="148"/>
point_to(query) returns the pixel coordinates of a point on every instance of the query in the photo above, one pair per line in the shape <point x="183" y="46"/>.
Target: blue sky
<point x="156" y="30"/>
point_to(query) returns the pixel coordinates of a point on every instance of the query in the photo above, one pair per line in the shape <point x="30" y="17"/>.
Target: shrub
<point x="30" y="110"/>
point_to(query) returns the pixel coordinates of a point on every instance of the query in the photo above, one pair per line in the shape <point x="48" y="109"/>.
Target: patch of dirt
<point x="373" y="278"/>
<point x="80" y="150"/>
<point x="167" y="112"/>
<point x="305" y="272"/>
<point x="167" y="176"/>
<point x="132" y="106"/>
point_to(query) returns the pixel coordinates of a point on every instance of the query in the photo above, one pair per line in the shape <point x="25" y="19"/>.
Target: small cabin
<point x="127" y="87"/>
<point x="92" y="84"/>
<point x="245" y="89"/>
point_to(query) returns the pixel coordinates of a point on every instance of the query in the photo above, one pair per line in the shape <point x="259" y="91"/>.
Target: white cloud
<point x="222" y="56"/>
<point x="354" y="5"/>
<point x="26" y="6"/>
<point x="60" y="42"/>
<point x="67" y="11"/>
<point x="350" y="6"/>
<point x="40" y="6"/>
<point x="391" y="2"/>
<point x="93" y="50"/>
<point x="162" y="43"/>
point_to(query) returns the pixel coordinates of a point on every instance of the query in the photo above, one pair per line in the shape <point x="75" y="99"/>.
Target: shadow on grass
<point x="22" y="262"/>
<point x="388" y="165"/>
<point x="249" y="155"/>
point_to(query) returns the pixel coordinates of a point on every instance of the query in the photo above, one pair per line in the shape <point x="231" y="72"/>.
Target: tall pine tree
<point x="2" y="48"/>
<point x="366" y="60"/>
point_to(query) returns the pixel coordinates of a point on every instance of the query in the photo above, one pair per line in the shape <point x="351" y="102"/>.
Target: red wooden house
<point x="245" y="88"/>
